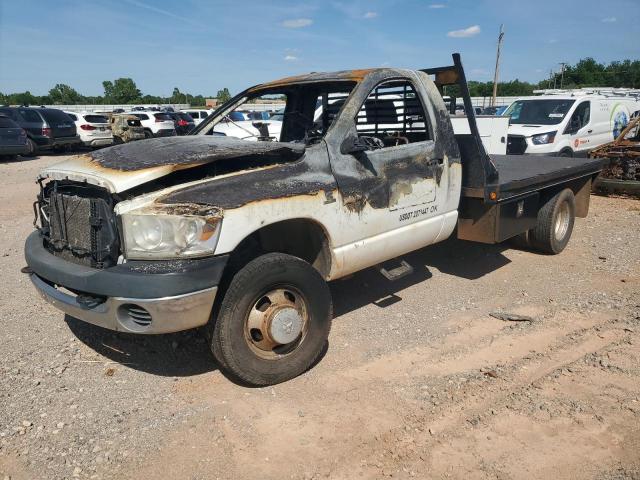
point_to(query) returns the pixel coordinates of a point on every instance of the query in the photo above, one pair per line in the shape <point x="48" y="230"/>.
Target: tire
<point x="566" y="153"/>
<point x="555" y="223"/>
<point x="33" y="148"/>
<point x="522" y="241"/>
<point x="148" y="134"/>
<point x="274" y="290"/>
<point x="117" y="141"/>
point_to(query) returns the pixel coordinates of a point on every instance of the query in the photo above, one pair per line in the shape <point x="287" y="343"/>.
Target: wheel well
<point x="566" y="150"/>
<point x="581" y="188"/>
<point x="302" y="238"/>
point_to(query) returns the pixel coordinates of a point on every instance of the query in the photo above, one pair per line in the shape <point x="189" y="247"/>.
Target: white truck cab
<point x="569" y="123"/>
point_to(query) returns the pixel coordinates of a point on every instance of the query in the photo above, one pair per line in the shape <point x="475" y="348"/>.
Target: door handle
<point x="589" y="131"/>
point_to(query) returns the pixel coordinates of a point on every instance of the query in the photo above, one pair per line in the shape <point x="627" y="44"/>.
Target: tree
<point x="63" y="94"/>
<point x="121" y="90"/>
<point x="178" y="97"/>
<point x="223" y="95"/>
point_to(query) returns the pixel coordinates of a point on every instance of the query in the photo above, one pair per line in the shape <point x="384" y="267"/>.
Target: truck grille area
<point x="516" y="145"/>
<point x="78" y="224"/>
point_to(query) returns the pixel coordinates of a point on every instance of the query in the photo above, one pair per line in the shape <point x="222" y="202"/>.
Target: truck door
<point x="391" y="173"/>
<point x="581" y="129"/>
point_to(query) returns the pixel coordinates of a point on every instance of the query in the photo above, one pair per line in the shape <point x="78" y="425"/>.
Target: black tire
<point x="148" y="134"/>
<point x="555" y="223"/>
<point x="566" y="153"/>
<point x="33" y="148"/>
<point x="236" y="347"/>
<point x="522" y="241"/>
<point x="117" y="141"/>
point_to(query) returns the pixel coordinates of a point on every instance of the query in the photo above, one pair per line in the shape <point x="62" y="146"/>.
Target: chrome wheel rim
<point x="562" y="221"/>
<point x="276" y="323"/>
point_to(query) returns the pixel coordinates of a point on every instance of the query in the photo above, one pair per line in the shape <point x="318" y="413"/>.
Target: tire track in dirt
<point x="343" y="442"/>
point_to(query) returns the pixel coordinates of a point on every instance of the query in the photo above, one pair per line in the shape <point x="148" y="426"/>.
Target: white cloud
<point x="297" y="23"/>
<point x="609" y="20"/>
<point x="437" y="5"/>
<point x="290" y="58"/>
<point x="465" y="32"/>
<point x="370" y="15"/>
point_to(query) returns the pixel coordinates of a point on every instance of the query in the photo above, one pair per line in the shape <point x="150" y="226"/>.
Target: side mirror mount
<point x="352" y="144"/>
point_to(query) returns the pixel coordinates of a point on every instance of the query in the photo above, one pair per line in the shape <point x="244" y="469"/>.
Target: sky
<point x="202" y="46"/>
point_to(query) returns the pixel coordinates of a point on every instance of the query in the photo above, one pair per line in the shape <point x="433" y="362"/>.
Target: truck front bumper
<point x="137" y="297"/>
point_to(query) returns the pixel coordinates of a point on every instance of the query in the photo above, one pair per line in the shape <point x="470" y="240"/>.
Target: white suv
<point x="198" y="114"/>
<point x="94" y="129"/>
<point x="156" y="124"/>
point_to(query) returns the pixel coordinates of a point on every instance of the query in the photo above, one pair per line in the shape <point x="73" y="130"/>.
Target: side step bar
<point x="393" y="274"/>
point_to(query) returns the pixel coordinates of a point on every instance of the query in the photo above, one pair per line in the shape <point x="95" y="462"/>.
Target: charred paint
<point x="188" y="151"/>
<point x="344" y="75"/>
<point x="309" y="176"/>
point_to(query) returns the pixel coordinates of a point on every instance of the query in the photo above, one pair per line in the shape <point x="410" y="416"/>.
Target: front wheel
<point x="555" y="223"/>
<point x="273" y="322"/>
<point x="148" y="134"/>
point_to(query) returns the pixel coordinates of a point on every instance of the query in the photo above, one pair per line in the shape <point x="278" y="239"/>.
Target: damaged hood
<point x="122" y="167"/>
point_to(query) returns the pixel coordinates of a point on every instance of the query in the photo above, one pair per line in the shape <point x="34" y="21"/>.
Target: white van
<point x="569" y="123"/>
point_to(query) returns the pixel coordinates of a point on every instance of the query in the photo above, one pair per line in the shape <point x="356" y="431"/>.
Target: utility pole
<point x="562" y="64"/>
<point x="551" y="77"/>
<point x="495" y="72"/>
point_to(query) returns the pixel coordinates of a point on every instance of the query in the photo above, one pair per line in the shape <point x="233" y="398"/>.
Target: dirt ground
<point x="418" y="380"/>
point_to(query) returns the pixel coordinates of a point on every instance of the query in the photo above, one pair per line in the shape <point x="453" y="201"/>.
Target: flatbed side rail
<point x="480" y="175"/>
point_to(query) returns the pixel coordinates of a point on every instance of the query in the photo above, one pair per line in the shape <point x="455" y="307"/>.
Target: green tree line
<point x="119" y="91"/>
<point x="586" y="73"/>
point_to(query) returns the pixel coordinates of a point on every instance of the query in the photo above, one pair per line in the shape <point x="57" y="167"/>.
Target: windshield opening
<point x="285" y="114"/>
<point x="538" y="111"/>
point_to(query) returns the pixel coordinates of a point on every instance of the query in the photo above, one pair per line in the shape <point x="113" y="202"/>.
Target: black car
<point x="182" y="121"/>
<point x="13" y="138"/>
<point x="47" y="128"/>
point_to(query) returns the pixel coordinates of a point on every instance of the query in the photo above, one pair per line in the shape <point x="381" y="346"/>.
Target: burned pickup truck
<point x="241" y="236"/>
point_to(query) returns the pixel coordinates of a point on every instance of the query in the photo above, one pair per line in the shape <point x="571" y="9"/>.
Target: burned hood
<point x="122" y="167"/>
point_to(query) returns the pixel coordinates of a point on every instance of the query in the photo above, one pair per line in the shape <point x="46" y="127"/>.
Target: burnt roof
<point x="341" y="76"/>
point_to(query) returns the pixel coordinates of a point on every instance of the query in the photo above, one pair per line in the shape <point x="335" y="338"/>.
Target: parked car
<point x="125" y="128"/>
<point x="94" y="130"/>
<point x="182" y="121"/>
<point x="13" y="138"/>
<point x="198" y="114"/>
<point x="239" y="116"/>
<point x="494" y="110"/>
<point x="47" y="128"/>
<point x="156" y="124"/>
<point x="246" y="247"/>
<point x="568" y="123"/>
<point x="259" y="116"/>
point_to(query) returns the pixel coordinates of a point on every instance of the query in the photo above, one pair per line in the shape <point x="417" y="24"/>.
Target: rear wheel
<point x="555" y="223"/>
<point x="273" y="321"/>
<point x="33" y="148"/>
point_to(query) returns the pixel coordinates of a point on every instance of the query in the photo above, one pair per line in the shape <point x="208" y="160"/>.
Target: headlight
<point x="171" y="231"/>
<point x="543" y="138"/>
